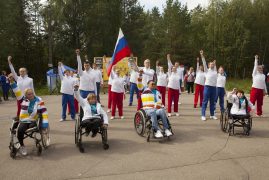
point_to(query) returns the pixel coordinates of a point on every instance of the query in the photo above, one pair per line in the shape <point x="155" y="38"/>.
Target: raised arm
<point x="255" y="65"/>
<point x="32" y="86"/>
<point x="78" y="97"/>
<point x="215" y="65"/>
<point x="203" y="60"/>
<point x="157" y="68"/>
<point x="60" y="70"/>
<point x="197" y="65"/>
<point x="15" y="88"/>
<point x="170" y="65"/>
<point x="80" y="72"/>
<point x="231" y="96"/>
<point x="15" y="76"/>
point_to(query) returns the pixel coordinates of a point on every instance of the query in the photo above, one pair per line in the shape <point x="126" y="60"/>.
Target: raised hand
<point x="157" y="63"/>
<point x="256" y="56"/>
<point x="168" y="56"/>
<point x="9" y="59"/>
<point x="78" y="52"/>
<point x="76" y="87"/>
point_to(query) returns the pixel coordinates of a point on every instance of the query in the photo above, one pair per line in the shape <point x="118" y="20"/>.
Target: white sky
<point x="149" y="4"/>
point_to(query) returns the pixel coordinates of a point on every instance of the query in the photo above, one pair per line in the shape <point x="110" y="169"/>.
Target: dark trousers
<point x="190" y="87"/>
<point x="21" y="130"/>
<point x="91" y="124"/>
<point x="5" y="92"/>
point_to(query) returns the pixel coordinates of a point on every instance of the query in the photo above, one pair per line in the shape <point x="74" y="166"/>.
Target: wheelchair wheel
<point x="39" y="149"/>
<point x="222" y="122"/>
<point x="139" y="122"/>
<point x="13" y="151"/>
<point x="250" y="123"/>
<point x="104" y="139"/>
<point x="77" y="125"/>
<point x="226" y="122"/>
<point x="45" y="137"/>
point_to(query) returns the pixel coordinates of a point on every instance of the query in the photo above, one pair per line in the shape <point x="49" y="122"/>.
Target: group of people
<point x="83" y="88"/>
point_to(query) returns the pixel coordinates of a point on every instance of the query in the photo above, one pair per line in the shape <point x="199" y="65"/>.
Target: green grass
<point x="42" y="90"/>
<point x="244" y="84"/>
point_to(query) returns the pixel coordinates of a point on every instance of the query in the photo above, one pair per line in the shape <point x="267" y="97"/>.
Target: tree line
<point x="37" y="34"/>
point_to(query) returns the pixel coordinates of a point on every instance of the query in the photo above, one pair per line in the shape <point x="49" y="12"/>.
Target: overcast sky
<point x="149" y="4"/>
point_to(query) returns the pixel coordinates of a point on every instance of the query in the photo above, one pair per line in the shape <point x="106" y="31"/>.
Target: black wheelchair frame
<point x="229" y="122"/>
<point x="143" y="125"/>
<point x="80" y="131"/>
<point x="42" y="141"/>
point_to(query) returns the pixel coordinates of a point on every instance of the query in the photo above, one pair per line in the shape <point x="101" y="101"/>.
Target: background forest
<point x="40" y="33"/>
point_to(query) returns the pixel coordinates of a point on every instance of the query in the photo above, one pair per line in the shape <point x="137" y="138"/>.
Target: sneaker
<point x="23" y="151"/>
<point x="62" y="120"/>
<point x="122" y="117"/>
<point x="158" y="134"/>
<point x="213" y="117"/>
<point x="169" y="115"/>
<point x="179" y="103"/>
<point x="130" y="104"/>
<point x="102" y="105"/>
<point x="203" y="118"/>
<point x="194" y="106"/>
<point x="94" y="133"/>
<point x="177" y="114"/>
<point x="168" y="132"/>
<point x="109" y="110"/>
<point x="73" y="119"/>
<point x="112" y="117"/>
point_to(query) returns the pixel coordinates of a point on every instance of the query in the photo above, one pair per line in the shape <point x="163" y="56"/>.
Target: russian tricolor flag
<point x="121" y="51"/>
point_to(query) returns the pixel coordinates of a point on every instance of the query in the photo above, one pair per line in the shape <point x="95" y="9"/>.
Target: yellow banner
<point x="122" y="66"/>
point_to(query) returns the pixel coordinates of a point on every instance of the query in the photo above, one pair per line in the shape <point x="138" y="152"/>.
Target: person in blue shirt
<point x="5" y="85"/>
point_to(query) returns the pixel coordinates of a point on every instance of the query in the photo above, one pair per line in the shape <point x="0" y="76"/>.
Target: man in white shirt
<point x="23" y="81"/>
<point x="87" y="78"/>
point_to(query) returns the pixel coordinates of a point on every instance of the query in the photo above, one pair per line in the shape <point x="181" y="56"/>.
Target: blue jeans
<point x="84" y="94"/>
<point x="154" y="114"/>
<point x="220" y="95"/>
<point x="209" y="95"/>
<point x="98" y="84"/>
<point x="133" y="88"/>
<point x="66" y="98"/>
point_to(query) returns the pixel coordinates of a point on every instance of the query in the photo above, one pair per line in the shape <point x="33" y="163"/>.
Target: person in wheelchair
<point x="94" y="116"/>
<point x="241" y="106"/>
<point x="31" y="106"/>
<point x="152" y="104"/>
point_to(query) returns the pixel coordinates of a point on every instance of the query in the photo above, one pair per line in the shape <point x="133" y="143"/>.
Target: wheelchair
<point x="80" y="131"/>
<point x="143" y="125"/>
<point x="40" y="135"/>
<point x="228" y="122"/>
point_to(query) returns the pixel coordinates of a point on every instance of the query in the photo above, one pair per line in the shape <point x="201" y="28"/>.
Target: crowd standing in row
<point x="84" y="86"/>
